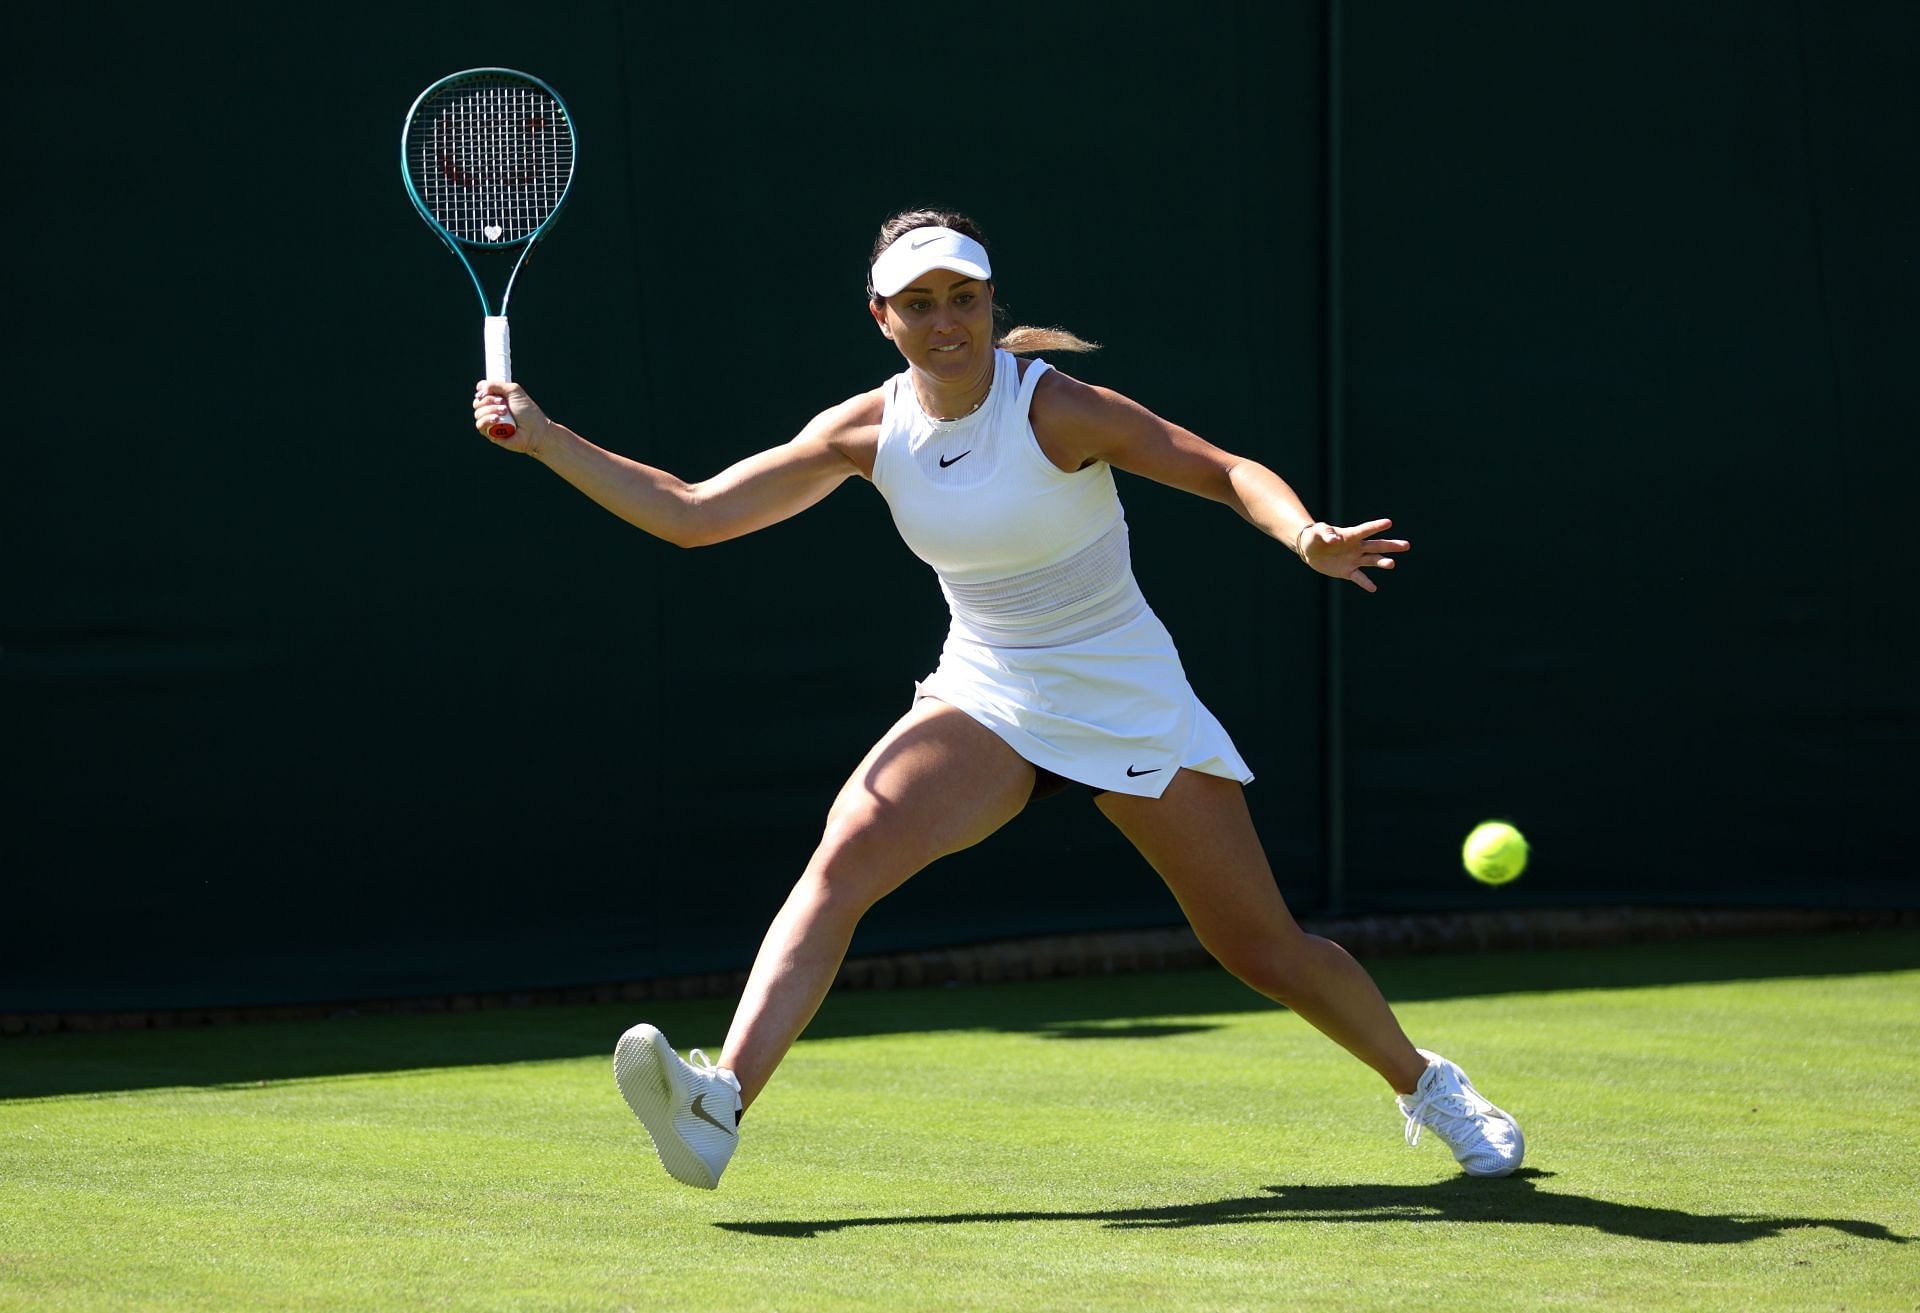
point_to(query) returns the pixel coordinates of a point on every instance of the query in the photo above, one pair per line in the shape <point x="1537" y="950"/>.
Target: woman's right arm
<point x="751" y="494"/>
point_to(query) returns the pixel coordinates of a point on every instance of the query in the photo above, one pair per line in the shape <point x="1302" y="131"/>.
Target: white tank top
<point x="1028" y="554"/>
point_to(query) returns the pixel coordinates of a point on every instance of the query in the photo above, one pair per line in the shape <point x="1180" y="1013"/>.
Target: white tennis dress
<point x="1051" y="646"/>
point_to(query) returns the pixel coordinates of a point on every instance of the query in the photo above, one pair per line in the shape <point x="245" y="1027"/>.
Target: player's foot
<point x="1485" y="1140"/>
<point x="691" y="1111"/>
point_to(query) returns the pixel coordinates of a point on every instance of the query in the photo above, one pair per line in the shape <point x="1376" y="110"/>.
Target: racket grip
<point x="499" y="370"/>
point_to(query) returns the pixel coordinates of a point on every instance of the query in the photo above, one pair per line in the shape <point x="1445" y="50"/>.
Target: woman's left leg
<point x="1199" y="836"/>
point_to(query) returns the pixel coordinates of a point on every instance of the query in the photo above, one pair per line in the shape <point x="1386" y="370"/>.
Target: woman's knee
<point x="1280" y="965"/>
<point x="862" y="856"/>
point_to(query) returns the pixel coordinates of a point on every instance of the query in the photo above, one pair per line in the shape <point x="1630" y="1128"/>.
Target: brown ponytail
<point x="1021" y="340"/>
<point x="1026" y="340"/>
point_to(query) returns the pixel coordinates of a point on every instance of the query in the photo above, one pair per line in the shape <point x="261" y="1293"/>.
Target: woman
<point x="998" y="471"/>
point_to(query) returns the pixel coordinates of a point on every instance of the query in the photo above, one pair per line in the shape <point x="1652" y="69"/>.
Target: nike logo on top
<point x="699" y="1110"/>
<point x="1134" y="774"/>
<point x="944" y="462"/>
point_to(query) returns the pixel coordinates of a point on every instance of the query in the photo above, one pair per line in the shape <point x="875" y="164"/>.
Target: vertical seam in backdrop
<point x="649" y="365"/>
<point x="1333" y="684"/>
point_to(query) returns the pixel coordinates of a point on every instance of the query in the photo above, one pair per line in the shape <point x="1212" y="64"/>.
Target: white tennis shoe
<point x="691" y="1111"/>
<point x="1485" y="1140"/>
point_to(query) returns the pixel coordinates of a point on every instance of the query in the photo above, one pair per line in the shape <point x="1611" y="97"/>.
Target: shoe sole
<point x="653" y="1090"/>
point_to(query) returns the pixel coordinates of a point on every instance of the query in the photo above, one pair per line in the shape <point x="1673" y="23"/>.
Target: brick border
<point x="1057" y="956"/>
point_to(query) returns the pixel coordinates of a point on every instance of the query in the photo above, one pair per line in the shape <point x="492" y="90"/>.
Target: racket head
<point x="488" y="156"/>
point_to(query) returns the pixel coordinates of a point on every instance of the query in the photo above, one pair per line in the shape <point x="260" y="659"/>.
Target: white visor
<point x="920" y="249"/>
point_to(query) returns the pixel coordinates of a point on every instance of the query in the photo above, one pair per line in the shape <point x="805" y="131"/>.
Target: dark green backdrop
<point x="308" y="694"/>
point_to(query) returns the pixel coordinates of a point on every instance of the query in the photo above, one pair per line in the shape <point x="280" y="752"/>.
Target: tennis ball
<point x="1494" y="853"/>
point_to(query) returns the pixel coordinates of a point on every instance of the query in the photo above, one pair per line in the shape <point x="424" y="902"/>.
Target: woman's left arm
<point x="1078" y="424"/>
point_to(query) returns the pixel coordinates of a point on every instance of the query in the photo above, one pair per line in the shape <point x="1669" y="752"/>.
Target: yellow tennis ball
<point x="1494" y="853"/>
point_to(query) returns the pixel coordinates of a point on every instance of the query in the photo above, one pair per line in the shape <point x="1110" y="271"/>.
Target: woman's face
<point x="942" y="323"/>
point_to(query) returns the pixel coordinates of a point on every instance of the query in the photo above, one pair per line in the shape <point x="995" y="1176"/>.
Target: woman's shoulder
<point x="852" y="427"/>
<point x="858" y="416"/>
<point x="1062" y="401"/>
<point x="1076" y="423"/>
<point x="859" y="409"/>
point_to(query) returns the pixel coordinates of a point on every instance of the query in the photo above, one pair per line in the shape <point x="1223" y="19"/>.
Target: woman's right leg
<point x="939" y="781"/>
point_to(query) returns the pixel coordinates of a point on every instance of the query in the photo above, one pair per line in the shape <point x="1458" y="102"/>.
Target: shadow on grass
<point x="1513" y="1199"/>
<point x="1139" y="1030"/>
<point x="1114" y="1008"/>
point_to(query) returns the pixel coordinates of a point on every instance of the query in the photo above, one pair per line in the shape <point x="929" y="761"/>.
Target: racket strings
<point x="491" y="160"/>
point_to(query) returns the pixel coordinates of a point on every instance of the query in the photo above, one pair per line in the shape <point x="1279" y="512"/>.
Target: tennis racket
<point x="488" y="160"/>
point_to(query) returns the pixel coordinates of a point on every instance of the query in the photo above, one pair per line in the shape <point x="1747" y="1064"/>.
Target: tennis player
<point x="998" y="470"/>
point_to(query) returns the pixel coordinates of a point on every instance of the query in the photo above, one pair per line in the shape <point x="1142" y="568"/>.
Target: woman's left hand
<point x="1349" y="553"/>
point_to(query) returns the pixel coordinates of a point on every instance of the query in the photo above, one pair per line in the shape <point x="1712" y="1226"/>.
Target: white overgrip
<point x="499" y="350"/>
<point x="499" y="370"/>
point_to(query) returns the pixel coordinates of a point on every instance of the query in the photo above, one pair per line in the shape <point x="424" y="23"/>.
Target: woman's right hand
<point x="494" y="401"/>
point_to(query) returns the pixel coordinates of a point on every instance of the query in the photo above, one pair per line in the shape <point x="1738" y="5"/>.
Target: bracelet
<point x="1297" y="551"/>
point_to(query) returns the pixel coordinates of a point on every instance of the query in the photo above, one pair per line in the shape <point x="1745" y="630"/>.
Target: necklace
<point x="949" y="419"/>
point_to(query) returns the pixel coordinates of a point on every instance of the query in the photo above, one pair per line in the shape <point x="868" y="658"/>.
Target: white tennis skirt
<point x="1114" y="711"/>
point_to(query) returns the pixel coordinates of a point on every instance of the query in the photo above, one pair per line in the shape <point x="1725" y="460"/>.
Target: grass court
<point x="1718" y="1125"/>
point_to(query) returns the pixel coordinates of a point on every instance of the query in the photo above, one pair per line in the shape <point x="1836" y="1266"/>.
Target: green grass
<point x="1718" y="1125"/>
